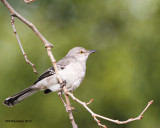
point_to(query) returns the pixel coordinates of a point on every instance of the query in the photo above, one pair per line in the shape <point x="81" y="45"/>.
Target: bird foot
<point x="63" y="84"/>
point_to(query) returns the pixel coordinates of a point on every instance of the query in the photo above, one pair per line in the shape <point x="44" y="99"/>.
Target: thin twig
<point x="65" y="105"/>
<point x="69" y="110"/>
<point x="95" y="116"/>
<point x="19" y="42"/>
<point x="89" y="102"/>
<point x="60" y="95"/>
<point x="48" y="46"/>
<point x="29" y="24"/>
<point x="28" y="1"/>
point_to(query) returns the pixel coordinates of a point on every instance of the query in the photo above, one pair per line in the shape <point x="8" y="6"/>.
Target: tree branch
<point x="68" y="107"/>
<point x="29" y="24"/>
<point x="28" y="1"/>
<point x="19" y="42"/>
<point x="95" y="116"/>
<point x="48" y="46"/>
<point x="69" y="110"/>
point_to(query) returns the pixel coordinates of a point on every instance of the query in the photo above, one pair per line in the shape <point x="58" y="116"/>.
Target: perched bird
<point x="72" y="69"/>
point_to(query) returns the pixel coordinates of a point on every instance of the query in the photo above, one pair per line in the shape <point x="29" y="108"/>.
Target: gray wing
<point x="47" y="73"/>
<point x="60" y="65"/>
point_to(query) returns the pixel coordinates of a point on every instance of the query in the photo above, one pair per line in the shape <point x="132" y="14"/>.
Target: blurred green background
<point x="122" y="77"/>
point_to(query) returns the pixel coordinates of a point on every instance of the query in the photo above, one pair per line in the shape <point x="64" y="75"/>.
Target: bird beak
<point x="92" y="51"/>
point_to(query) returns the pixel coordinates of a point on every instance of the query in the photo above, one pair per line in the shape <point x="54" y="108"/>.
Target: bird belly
<point x="72" y="76"/>
<point x="46" y="82"/>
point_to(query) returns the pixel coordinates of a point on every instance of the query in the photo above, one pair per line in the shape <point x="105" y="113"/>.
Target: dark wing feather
<point x="47" y="73"/>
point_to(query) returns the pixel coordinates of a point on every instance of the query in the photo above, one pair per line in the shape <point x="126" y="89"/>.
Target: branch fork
<point x="19" y="42"/>
<point x="95" y="116"/>
<point x="47" y="44"/>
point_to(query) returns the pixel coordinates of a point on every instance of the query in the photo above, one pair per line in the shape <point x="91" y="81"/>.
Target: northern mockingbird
<point x="72" y="69"/>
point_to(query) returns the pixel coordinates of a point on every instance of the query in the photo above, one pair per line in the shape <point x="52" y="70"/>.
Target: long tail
<point x="15" y="99"/>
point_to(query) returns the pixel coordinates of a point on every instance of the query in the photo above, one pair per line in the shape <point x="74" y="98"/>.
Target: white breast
<point x="73" y="74"/>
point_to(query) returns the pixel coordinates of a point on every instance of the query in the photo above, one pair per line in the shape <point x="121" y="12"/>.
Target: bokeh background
<point x="122" y="77"/>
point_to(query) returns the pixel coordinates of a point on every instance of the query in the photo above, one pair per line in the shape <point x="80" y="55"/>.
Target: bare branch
<point x="89" y="102"/>
<point x="69" y="110"/>
<point x="19" y="42"/>
<point x="60" y="95"/>
<point x="95" y="116"/>
<point x="29" y="24"/>
<point x="48" y="46"/>
<point x="28" y="1"/>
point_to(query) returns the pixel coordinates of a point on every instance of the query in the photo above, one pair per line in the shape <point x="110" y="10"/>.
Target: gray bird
<point x="72" y="69"/>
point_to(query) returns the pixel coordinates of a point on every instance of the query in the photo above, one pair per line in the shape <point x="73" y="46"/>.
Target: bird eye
<point x="81" y="52"/>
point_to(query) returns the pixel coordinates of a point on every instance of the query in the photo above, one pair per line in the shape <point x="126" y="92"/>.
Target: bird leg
<point x="63" y="84"/>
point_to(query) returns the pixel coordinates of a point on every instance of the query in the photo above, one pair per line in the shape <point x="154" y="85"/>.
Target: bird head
<point x="80" y="53"/>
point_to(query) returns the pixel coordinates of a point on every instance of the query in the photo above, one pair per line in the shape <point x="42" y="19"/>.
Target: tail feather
<point x="13" y="100"/>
